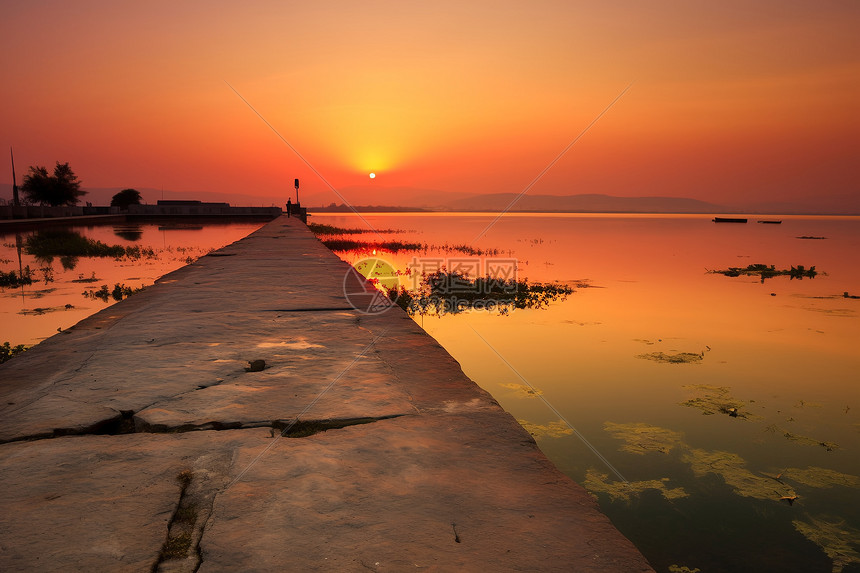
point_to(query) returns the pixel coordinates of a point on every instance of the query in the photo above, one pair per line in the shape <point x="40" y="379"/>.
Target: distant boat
<point x="770" y="221"/>
<point x="728" y="220"/>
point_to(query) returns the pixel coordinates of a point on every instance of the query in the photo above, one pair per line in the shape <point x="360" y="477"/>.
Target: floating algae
<point x="40" y="310"/>
<point x="643" y="438"/>
<point x="836" y="540"/>
<point x="767" y="272"/>
<point x="523" y="391"/>
<point x="716" y="400"/>
<point x="821" y="477"/>
<point x="596" y="482"/>
<point x="552" y="430"/>
<point x="732" y="468"/>
<point x="680" y="358"/>
<point x="805" y="440"/>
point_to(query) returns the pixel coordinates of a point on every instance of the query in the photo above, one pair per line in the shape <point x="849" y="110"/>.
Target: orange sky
<point x="731" y="101"/>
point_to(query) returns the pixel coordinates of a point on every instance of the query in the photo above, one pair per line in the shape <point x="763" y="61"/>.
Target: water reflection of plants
<point x="450" y="292"/>
<point x="768" y="272"/>
<point x="69" y="245"/>
<point x="15" y="280"/>
<point x="119" y="292"/>
<point x="128" y="232"/>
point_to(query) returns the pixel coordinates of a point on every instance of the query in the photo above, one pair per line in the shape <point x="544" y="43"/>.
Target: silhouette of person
<point x="289" y="207"/>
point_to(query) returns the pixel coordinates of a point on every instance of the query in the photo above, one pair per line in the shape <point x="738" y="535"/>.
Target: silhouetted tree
<point x="125" y="198"/>
<point x="61" y="188"/>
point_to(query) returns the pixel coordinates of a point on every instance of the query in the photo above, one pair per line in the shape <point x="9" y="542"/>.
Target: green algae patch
<point x="716" y="400"/>
<point x="642" y="438"/>
<point x="682" y="569"/>
<point x="803" y="440"/>
<point x="552" y="430"/>
<point x="596" y="482"/>
<point x="680" y="358"/>
<point x="821" y="477"/>
<point x="732" y="468"/>
<point x="836" y="540"/>
<point x="523" y="391"/>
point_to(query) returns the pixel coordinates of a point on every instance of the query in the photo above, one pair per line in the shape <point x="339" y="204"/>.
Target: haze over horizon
<point x="731" y="104"/>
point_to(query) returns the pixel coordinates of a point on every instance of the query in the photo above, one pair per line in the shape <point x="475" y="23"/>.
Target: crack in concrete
<point x="180" y="552"/>
<point x="125" y="422"/>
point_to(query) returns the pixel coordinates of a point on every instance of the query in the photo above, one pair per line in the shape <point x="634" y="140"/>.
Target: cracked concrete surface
<point x="137" y="440"/>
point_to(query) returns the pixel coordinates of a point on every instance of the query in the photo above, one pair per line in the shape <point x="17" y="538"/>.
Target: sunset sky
<point x="731" y="101"/>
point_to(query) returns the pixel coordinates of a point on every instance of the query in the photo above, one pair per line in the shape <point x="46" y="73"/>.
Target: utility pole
<point x="15" y="201"/>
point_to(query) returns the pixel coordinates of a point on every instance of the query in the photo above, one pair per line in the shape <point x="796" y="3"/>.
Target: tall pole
<point x="15" y="201"/>
<point x="297" y="192"/>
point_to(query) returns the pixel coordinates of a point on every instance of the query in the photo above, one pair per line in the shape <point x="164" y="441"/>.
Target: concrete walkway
<point x="138" y="440"/>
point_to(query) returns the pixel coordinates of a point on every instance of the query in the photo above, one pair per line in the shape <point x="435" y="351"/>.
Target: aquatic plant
<point x="137" y="252"/>
<point x="351" y="245"/>
<point x="14" y="280"/>
<point x="81" y="279"/>
<point x="680" y="358"/>
<point x="732" y="468"/>
<point x="838" y="541"/>
<point x="523" y="391"/>
<point x="557" y="429"/>
<point x="119" y="292"/>
<point x="322" y="229"/>
<point x="7" y="351"/>
<point x="821" y="477"/>
<point x="341" y="245"/>
<point x="642" y="438"/>
<point x="716" y="400"/>
<point x="38" y="311"/>
<point x="804" y="440"/>
<point x="451" y="292"/>
<point x="596" y="482"/>
<point x="767" y="272"/>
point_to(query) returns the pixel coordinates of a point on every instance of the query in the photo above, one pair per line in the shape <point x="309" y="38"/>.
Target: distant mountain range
<point x="497" y="202"/>
<point x="370" y="196"/>
<point x="393" y="199"/>
<point x="586" y="203"/>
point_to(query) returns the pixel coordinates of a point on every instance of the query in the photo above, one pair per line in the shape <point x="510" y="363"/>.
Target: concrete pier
<point x="143" y="440"/>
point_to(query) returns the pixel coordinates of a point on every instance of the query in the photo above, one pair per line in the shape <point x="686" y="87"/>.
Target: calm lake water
<point x="723" y="412"/>
<point x="55" y="300"/>
<point x="717" y="418"/>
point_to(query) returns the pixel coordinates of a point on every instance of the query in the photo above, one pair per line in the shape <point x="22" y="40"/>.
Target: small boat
<point x="770" y="221"/>
<point x="729" y="220"/>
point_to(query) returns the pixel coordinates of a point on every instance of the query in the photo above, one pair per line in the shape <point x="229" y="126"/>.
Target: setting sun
<point x="373" y="175"/>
